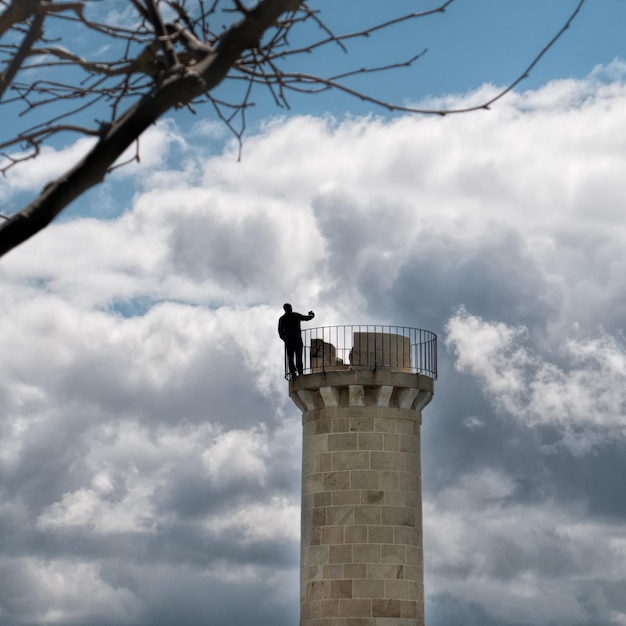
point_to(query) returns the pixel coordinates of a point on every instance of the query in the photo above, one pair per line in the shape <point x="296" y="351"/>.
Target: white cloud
<point x="618" y="618"/>
<point x="238" y="454"/>
<point x="51" y="163"/>
<point x="38" y="172"/>
<point x="523" y="563"/>
<point x="90" y="508"/>
<point x="147" y="433"/>
<point x="62" y="586"/>
<point x="278" y="519"/>
<point x="586" y="399"/>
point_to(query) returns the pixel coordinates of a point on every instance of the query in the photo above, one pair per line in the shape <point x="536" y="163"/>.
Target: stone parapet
<point x="361" y="550"/>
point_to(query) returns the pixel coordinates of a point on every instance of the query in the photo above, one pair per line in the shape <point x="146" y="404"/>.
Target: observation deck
<point x="369" y="347"/>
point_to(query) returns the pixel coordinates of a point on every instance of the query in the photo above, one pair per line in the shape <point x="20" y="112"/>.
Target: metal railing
<point x="333" y="348"/>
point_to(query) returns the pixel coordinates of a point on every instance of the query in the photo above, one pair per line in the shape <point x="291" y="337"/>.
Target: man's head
<point x="287" y="307"/>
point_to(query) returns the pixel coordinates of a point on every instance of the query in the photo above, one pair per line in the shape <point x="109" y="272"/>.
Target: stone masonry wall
<point x="361" y="560"/>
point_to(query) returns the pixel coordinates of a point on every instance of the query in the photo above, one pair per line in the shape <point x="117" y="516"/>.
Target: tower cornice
<point x="383" y="388"/>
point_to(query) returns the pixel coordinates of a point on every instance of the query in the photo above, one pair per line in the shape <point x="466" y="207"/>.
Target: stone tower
<point x="361" y="398"/>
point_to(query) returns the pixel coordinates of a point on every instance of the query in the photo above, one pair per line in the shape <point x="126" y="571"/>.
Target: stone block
<point x="314" y="572"/>
<point x="401" y="590"/>
<point x="342" y="441"/>
<point x="354" y="570"/>
<point x="354" y="460"/>
<point x="385" y="571"/>
<point x="407" y="482"/>
<point x="372" y="496"/>
<point x="317" y="555"/>
<point x="364" y="479"/>
<point x="323" y="354"/>
<point x="332" y="570"/>
<point x="405" y="536"/>
<point x="324" y="608"/>
<point x="380" y="534"/>
<point x="312" y="416"/>
<point x="306" y="519"/>
<point x="317" y="590"/>
<point x="317" y="444"/>
<point x="341" y="589"/>
<point x="341" y="425"/>
<point x="391" y="553"/>
<point x="330" y="396"/>
<point x="356" y="395"/>
<point x="386" y="608"/>
<point x="361" y="424"/>
<point x="397" y="516"/>
<point x="370" y="441"/>
<point x="406" y="429"/>
<point x="412" y="500"/>
<point x="332" y="481"/>
<point x="409" y="608"/>
<point x="409" y="444"/>
<point x="387" y="349"/>
<point x="368" y="588"/>
<point x="389" y="480"/>
<point x="325" y="461"/>
<point x="340" y="553"/>
<point x="312" y="483"/>
<point x="355" y="534"/>
<point x="319" y="516"/>
<point x="325" y="621"/>
<point x="395" y="498"/>
<point x="310" y="463"/>
<point x="384" y="425"/>
<point x="352" y="496"/>
<point x="323" y="498"/>
<point x="322" y="427"/>
<point x="366" y="553"/>
<point x="355" y="607"/>
<point x="367" y="515"/>
<point x="391" y="442"/>
<point x="406" y="397"/>
<point x="384" y="394"/>
<point x="362" y="412"/>
<point x="387" y="461"/>
<point x="307" y="399"/>
<point x="315" y="535"/>
<point x="360" y="621"/>
<point x="423" y="398"/>
<point x="332" y="534"/>
<point x="340" y="515"/>
<point x="413" y="572"/>
<point x="414" y="556"/>
<point x="413" y="464"/>
<point x="394" y="621"/>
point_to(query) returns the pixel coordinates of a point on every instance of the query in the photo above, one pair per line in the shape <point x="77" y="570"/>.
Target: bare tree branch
<point x="34" y="32"/>
<point x="21" y="10"/>
<point x="162" y="36"/>
<point x="179" y="85"/>
<point x="156" y="66"/>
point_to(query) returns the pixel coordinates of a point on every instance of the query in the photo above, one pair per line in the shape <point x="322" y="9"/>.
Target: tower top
<point x="369" y="347"/>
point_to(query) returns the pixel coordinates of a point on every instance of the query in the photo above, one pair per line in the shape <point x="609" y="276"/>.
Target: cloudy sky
<point x="149" y="453"/>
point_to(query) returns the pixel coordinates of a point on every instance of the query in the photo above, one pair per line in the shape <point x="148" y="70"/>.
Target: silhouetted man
<point x="289" y="332"/>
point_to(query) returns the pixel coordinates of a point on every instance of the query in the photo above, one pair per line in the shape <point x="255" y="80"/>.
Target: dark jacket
<point x="289" y="325"/>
